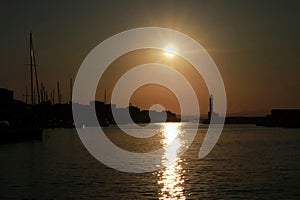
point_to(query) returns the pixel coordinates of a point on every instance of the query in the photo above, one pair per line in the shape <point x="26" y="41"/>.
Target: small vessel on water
<point x="18" y="120"/>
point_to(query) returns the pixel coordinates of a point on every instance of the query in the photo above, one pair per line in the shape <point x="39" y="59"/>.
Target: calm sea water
<point x="248" y="162"/>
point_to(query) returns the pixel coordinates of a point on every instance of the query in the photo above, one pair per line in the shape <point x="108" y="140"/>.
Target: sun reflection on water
<point x="171" y="177"/>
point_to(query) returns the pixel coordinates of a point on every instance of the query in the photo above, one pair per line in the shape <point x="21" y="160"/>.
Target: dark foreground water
<point x="248" y="162"/>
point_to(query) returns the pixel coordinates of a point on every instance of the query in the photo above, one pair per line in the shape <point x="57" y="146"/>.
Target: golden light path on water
<point x="171" y="177"/>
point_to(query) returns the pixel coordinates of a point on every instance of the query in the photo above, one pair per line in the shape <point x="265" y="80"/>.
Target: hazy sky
<point x="255" y="44"/>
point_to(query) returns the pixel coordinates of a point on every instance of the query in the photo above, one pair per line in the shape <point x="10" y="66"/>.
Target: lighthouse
<point x="211" y="105"/>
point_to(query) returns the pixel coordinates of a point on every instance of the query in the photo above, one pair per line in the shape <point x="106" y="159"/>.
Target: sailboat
<point x="27" y="126"/>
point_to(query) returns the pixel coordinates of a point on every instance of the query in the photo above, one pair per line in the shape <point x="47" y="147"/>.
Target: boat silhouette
<point x="18" y="120"/>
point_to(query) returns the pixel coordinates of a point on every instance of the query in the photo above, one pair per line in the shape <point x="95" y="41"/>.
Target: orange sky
<point x="151" y="94"/>
<point x="255" y="45"/>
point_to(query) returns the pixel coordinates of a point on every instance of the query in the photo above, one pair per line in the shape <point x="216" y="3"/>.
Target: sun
<point x="170" y="50"/>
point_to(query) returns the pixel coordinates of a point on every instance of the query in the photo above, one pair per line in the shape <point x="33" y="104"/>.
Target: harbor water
<point x="248" y="162"/>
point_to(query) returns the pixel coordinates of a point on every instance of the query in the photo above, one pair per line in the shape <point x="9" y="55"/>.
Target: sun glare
<point x="171" y="178"/>
<point x="171" y="131"/>
<point x="170" y="51"/>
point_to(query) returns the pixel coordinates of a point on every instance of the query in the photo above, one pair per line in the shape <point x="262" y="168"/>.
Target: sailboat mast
<point x="26" y="95"/>
<point x="58" y="93"/>
<point x="33" y="64"/>
<point x="31" y="70"/>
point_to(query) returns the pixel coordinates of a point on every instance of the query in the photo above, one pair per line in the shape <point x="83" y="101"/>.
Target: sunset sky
<point x="255" y="45"/>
